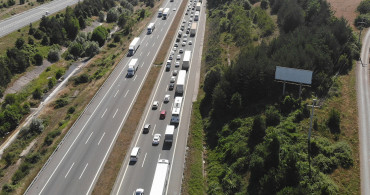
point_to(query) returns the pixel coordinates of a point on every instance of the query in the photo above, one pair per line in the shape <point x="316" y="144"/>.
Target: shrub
<point x="53" y="55"/>
<point x="52" y="82"/>
<point x="61" y="102"/>
<point x="19" y="43"/>
<point x="38" y="59"/>
<point x="264" y="4"/>
<point x="59" y="73"/>
<point x="33" y="158"/>
<point x="272" y="116"/>
<point x="71" y="109"/>
<point x="8" y="188"/>
<point x="325" y="164"/>
<point x="9" y="158"/>
<point x="334" y="121"/>
<point x="84" y="78"/>
<point x="37" y="93"/>
<point x="45" y="40"/>
<point x="99" y="35"/>
<point x="36" y="126"/>
<point x="91" y="48"/>
<point x="112" y="15"/>
<point x="31" y="41"/>
<point x="343" y="153"/>
<point x="364" y="7"/>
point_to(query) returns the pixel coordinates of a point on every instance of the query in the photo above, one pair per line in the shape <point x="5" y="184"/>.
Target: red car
<point x="163" y="114"/>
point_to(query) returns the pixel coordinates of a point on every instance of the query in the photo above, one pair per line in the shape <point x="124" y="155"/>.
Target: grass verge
<point x="193" y="182"/>
<point x="171" y="32"/>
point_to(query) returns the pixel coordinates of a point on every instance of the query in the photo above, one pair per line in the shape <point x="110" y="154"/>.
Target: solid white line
<point x="69" y="170"/>
<point x="154" y="129"/>
<point x="101" y="138"/>
<point x="104" y="112"/>
<point x="127" y="93"/>
<point x="116" y="93"/>
<point x="135" y="76"/>
<point x="96" y="108"/>
<point x="144" y="160"/>
<point x="89" y="137"/>
<point x="83" y="171"/>
<point x="115" y="113"/>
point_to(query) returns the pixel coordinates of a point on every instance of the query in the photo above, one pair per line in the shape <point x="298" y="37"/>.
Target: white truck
<point x="175" y="118"/>
<point x="198" y="7"/>
<point x="186" y="60"/>
<point x="160" y="12"/>
<point x="160" y="177"/>
<point x="166" y="13"/>
<point x="193" y="29"/>
<point x="180" y="84"/>
<point x="132" y="67"/>
<point x="196" y="16"/>
<point x="151" y="28"/>
<point x="133" y="46"/>
<point x="168" y="135"/>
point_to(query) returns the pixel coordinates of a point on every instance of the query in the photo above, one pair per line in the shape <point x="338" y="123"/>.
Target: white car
<point x="172" y="53"/>
<point x="174" y="9"/>
<point x="173" y="79"/>
<point x="156" y="139"/>
<point x="190" y="43"/>
<point x="174" y="73"/>
<point x="174" y="48"/>
<point x="181" y="51"/>
<point x="177" y="64"/>
<point x="155" y="105"/>
<point x="185" y="36"/>
<point x="183" y="44"/>
<point x="184" y="21"/>
<point x="185" y="39"/>
<point x="178" y="57"/>
<point x="167" y="98"/>
<point x="139" y="191"/>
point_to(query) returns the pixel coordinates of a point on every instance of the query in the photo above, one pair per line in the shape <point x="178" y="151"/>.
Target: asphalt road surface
<point x="25" y="18"/>
<point x="75" y="166"/>
<point x="363" y="101"/>
<point x="140" y="174"/>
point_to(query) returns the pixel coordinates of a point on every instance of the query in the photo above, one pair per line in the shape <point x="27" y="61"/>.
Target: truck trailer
<point x="198" y="6"/>
<point x="168" y="135"/>
<point x="180" y="83"/>
<point x="160" y="12"/>
<point x="132" y="67"/>
<point x="193" y="29"/>
<point x="160" y="177"/>
<point x="166" y="13"/>
<point x="151" y="28"/>
<point x="186" y="60"/>
<point x="133" y="46"/>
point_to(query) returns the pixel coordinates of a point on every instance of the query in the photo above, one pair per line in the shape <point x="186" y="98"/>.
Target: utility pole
<point x="309" y="135"/>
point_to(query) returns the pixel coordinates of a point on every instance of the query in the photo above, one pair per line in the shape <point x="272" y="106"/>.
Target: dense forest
<point x="256" y="144"/>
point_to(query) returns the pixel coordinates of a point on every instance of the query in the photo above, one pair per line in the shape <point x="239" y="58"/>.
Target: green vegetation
<point x="257" y="139"/>
<point x="363" y="20"/>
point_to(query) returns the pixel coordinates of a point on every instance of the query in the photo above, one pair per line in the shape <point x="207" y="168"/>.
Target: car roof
<point x="163" y="112"/>
<point x="146" y="125"/>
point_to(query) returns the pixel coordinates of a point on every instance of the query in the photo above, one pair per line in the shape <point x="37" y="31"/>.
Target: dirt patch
<point x="345" y="9"/>
<point x="171" y="32"/>
<point x="17" y="8"/>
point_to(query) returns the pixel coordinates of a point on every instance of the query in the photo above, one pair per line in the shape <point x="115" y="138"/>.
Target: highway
<point x="140" y="174"/>
<point x="25" y="18"/>
<point x="363" y="101"/>
<point x="77" y="162"/>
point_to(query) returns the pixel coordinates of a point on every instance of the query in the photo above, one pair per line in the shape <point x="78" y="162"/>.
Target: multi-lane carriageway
<point x="140" y="174"/>
<point x="75" y="166"/>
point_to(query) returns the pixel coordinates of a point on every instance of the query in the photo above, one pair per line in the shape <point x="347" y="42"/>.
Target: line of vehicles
<point x="159" y="183"/>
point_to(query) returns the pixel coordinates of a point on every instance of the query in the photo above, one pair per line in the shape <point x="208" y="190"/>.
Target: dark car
<point x="146" y="128"/>
<point x="171" y="86"/>
<point x="163" y="114"/>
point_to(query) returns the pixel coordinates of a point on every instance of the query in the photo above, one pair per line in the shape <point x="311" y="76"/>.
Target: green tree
<point x="71" y="24"/>
<point x="264" y="4"/>
<point x="51" y="83"/>
<point x="272" y="116"/>
<point x="37" y="93"/>
<point x="9" y="158"/>
<point x="82" y="22"/>
<point x="101" y="16"/>
<point x="31" y="41"/>
<point x="76" y="49"/>
<point x="19" y="43"/>
<point x="112" y="15"/>
<point x="213" y="76"/>
<point x="364" y="7"/>
<point x="334" y="121"/>
<point x="290" y="16"/>
<point x="45" y="40"/>
<point x="99" y="35"/>
<point x="53" y="55"/>
<point x="236" y="103"/>
<point x="91" y="48"/>
<point x="38" y="59"/>
<point x="36" y="126"/>
<point x="258" y="131"/>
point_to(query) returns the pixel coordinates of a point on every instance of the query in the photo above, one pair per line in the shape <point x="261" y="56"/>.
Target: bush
<point x="84" y="78"/>
<point x="99" y="35"/>
<point x="33" y="158"/>
<point x="19" y="43"/>
<point x="364" y="7"/>
<point x="264" y="4"/>
<point x="52" y="82"/>
<point x="45" y="40"/>
<point x="343" y="153"/>
<point x="112" y="15"/>
<point x="11" y="2"/>
<point x="272" y="116"/>
<point x="334" y="121"/>
<point x="101" y="16"/>
<point x="37" y="93"/>
<point x="38" y="59"/>
<point x="61" y="102"/>
<point x="91" y="48"/>
<point x="9" y="158"/>
<point x="53" y="55"/>
<point x="325" y="164"/>
<point x="59" y="73"/>
<point x="31" y="41"/>
<point x="71" y="109"/>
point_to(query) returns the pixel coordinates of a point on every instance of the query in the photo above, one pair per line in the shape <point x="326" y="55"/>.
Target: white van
<point x="134" y="154"/>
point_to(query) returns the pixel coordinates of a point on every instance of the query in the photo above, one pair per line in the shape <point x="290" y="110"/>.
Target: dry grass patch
<point x="171" y="32"/>
<point x="111" y="169"/>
